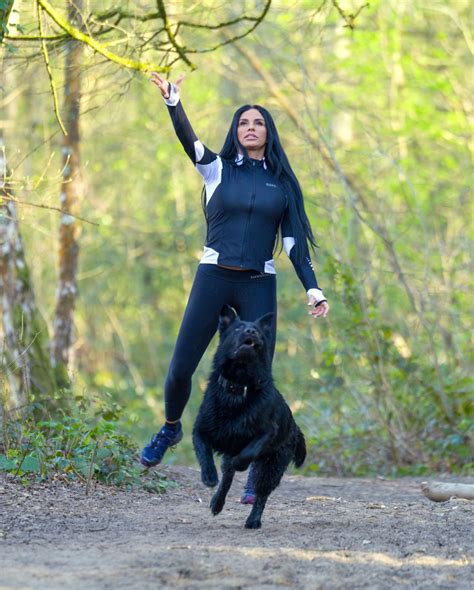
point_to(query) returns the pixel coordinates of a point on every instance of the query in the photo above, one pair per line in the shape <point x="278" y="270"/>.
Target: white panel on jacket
<point x="269" y="267"/>
<point x="209" y="256"/>
<point x="288" y="244"/>
<point x="212" y="174"/>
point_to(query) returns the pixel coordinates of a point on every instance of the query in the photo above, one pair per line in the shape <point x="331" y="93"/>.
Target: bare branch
<point x="95" y="45"/>
<point x="124" y="14"/>
<point x="229" y="40"/>
<point x="48" y="69"/>
<point x="9" y="197"/>
<point x="228" y="23"/>
<point x="179" y="50"/>
<point x="349" y="18"/>
<point x="36" y="37"/>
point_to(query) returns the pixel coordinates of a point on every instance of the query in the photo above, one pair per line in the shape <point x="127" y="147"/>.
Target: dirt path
<point x="318" y="533"/>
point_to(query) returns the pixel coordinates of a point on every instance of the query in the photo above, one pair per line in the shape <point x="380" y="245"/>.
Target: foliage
<point x="82" y="447"/>
<point x="375" y="122"/>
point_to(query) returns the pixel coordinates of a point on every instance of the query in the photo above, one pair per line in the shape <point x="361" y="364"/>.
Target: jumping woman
<point x="251" y="194"/>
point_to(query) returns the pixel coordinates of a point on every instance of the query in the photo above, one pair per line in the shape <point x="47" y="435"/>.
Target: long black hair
<point x="277" y="161"/>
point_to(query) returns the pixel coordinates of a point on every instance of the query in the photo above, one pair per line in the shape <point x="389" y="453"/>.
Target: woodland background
<point x="374" y="106"/>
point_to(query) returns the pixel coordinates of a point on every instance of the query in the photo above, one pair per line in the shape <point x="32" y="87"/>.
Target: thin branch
<point x="179" y="50"/>
<point x="25" y="452"/>
<point x="91" y="467"/>
<point x="228" y="23"/>
<point x="35" y="37"/>
<point x="15" y="359"/>
<point x="349" y="18"/>
<point x="149" y="41"/>
<point x="95" y="45"/>
<point x="229" y="40"/>
<point x="48" y="69"/>
<point x="123" y="14"/>
<point x="9" y="197"/>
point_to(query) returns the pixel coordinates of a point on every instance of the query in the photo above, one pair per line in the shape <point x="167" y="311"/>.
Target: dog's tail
<point x="300" y="451"/>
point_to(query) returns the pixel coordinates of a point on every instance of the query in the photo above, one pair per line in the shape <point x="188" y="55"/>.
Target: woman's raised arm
<point x="205" y="160"/>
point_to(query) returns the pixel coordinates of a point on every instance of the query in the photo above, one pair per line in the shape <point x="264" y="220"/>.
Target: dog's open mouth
<point x="247" y="344"/>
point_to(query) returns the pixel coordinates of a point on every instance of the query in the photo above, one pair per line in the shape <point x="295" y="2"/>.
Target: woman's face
<point x="251" y="130"/>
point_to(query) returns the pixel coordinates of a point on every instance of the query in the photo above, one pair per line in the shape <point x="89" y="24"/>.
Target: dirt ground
<point x="317" y="533"/>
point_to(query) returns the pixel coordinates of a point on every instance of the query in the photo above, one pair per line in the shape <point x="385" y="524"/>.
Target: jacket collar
<point x="239" y="160"/>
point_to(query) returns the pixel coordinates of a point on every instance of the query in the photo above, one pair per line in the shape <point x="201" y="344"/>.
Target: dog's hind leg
<point x="204" y="455"/>
<point x="218" y="500"/>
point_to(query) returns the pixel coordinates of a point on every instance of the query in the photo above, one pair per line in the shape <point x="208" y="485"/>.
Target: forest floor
<point x="317" y="533"/>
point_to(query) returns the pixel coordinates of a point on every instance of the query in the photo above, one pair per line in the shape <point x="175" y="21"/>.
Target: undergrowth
<point x="85" y="445"/>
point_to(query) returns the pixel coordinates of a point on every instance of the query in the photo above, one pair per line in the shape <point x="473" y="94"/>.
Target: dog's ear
<point x="227" y="316"/>
<point x="265" y="323"/>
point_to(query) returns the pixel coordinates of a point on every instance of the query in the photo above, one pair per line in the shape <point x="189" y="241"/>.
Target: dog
<point x="243" y="417"/>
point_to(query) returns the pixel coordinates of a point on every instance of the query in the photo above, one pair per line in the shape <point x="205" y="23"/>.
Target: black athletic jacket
<point x="245" y="206"/>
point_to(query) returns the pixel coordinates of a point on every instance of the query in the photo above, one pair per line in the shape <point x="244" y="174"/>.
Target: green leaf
<point x="30" y="464"/>
<point x="6" y="464"/>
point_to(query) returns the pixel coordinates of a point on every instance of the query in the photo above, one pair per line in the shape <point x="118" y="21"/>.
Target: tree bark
<point x="14" y="360"/>
<point x="25" y="363"/>
<point x="71" y="188"/>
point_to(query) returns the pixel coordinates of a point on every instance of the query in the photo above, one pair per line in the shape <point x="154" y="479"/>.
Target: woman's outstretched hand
<point x="163" y="84"/>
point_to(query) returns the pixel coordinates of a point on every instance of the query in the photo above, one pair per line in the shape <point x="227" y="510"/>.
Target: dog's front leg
<point x="204" y="455"/>
<point x="218" y="500"/>
<point x="253" y="450"/>
<point x="254" y="520"/>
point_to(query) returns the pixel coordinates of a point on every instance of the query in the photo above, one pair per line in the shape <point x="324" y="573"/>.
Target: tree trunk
<point x="14" y="360"/>
<point x="15" y="371"/>
<point x="25" y="364"/>
<point x="71" y="188"/>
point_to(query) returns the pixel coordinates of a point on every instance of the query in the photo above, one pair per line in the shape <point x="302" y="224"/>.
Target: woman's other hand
<point x="163" y="84"/>
<point x="320" y="310"/>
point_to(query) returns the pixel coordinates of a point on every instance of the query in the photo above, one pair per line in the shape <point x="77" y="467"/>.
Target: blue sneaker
<point x="248" y="497"/>
<point x="154" y="452"/>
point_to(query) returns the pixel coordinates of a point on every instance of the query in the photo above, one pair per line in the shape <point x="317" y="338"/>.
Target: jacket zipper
<point x="252" y="200"/>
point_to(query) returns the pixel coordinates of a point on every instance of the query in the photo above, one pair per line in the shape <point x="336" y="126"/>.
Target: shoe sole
<point x="145" y="463"/>
<point x="149" y="464"/>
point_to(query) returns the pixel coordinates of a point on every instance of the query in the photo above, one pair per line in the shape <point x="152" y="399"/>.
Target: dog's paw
<point x="217" y="504"/>
<point x="253" y="523"/>
<point x="210" y="478"/>
<point x="240" y="464"/>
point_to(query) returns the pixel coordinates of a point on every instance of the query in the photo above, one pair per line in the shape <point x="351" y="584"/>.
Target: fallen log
<point x="440" y="492"/>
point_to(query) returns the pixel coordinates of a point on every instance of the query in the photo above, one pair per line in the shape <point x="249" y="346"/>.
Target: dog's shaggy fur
<point x="243" y="417"/>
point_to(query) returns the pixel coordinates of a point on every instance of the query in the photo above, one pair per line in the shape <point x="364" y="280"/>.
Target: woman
<point x="251" y="193"/>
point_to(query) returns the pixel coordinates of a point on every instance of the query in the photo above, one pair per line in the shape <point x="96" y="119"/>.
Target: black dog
<point x="243" y="417"/>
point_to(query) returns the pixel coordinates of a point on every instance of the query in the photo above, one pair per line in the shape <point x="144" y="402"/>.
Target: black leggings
<point x="250" y="292"/>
